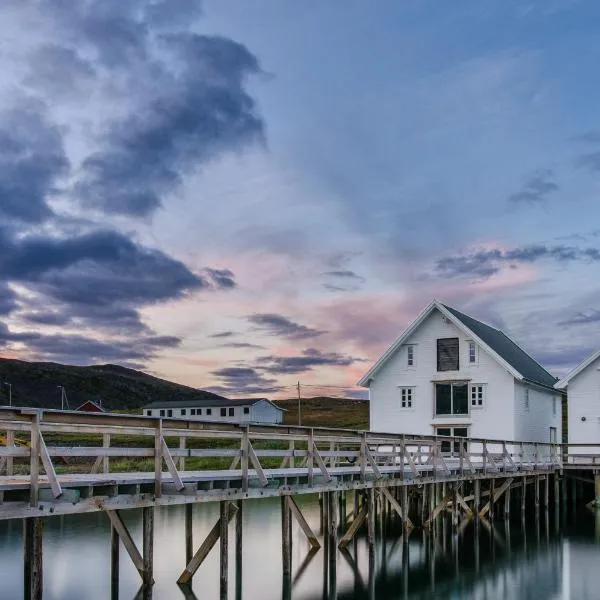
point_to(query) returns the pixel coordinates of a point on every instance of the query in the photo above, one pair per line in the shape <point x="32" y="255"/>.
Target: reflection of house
<point x="252" y="410"/>
<point x="582" y="385"/>
<point x="449" y="374"/>
<point x="90" y="406"/>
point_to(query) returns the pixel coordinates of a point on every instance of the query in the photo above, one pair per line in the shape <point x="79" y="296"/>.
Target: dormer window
<point x="447" y="354"/>
<point x="410" y="355"/>
<point x="472" y="353"/>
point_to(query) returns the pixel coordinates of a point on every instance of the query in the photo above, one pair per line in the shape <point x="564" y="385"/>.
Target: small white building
<point x="251" y="410"/>
<point x="449" y="374"/>
<point x="582" y="386"/>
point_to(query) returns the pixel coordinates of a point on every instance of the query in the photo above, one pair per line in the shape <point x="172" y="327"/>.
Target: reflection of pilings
<point x="148" y="544"/>
<point x="32" y="563"/>
<point x="405" y="565"/>
<point x="189" y="538"/>
<point x="238" y="549"/>
<point x="286" y="539"/>
<point x="332" y="544"/>
<point x="114" y="564"/>
<point x="224" y="549"/>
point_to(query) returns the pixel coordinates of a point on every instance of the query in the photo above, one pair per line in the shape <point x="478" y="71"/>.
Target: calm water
<point x="541" y="561"/>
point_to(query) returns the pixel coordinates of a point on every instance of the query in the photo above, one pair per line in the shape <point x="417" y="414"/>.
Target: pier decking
<point x="55" y="462"/>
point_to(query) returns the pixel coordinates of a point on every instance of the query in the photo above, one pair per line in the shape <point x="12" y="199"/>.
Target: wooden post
<point x="10" y="441"/>
<point x="32" y="563"/>
<point x="34" y="459"/>
<point x="333" y="526"/>
<point x="321" y="514"/>
<point x="405" y="508"/>
<point x="189" y="533"/>
<point x="477" y="498"/>
<point x="310" y="463"/>
<point x="507" y="503"/>
<point x="537" y="496"/>
<point x="547" y="492"/>
<point x="286" y="539"/>
<point x="244" y="460"/>
<point x="492" y="498"/>
<point x="182" y="444"/>
<point x="148" y="544"/>
<point x="114" y="564"/>
<point x="224" y="549"/>
<point x="158" y="459"/>
<point x="238" y="550"/>
<point x="106" y="459"/>
<point x="371" y="518"/>
<point x="523" y="496"/>
<point x="556" y="493"/>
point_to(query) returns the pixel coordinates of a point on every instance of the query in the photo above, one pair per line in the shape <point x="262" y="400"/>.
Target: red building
<point x="89" y="406"/>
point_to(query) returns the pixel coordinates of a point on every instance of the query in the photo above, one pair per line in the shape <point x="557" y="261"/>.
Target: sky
<point x="238" y="196"/>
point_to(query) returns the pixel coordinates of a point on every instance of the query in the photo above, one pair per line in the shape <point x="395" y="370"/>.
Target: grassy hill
<point x="327" y="412"/>
<point x="117" y="388"/>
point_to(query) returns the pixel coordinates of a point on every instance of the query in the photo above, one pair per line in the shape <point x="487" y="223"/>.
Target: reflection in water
<point x="532" y="558"/>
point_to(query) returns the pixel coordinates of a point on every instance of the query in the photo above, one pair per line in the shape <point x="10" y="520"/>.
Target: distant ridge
<point x="116" y="387"/>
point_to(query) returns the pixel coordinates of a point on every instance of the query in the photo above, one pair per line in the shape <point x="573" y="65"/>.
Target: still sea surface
<point x="537" y="559"/>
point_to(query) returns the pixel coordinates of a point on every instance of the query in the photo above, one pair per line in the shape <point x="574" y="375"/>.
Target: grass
<point x="327" y="412"/>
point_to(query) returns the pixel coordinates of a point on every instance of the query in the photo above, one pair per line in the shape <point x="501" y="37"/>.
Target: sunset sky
<point x="239" y="195"/>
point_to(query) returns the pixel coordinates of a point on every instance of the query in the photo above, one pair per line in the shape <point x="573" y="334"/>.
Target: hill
<point x="327" y="412"/>
<point x="117" y="388"/>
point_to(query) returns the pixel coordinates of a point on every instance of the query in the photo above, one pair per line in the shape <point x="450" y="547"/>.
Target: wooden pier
<point x="57" y="463"/>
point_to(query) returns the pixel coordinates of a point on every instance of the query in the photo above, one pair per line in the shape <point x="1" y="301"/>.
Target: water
<point x="538" y="561"/>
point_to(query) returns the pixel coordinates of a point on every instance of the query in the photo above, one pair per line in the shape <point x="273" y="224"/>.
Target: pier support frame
<point x="32" y="558"/>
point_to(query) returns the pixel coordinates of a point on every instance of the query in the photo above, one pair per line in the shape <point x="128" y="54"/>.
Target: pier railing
<point x="44" y="452"/>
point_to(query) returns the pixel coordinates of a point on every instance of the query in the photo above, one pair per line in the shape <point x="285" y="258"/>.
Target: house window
<point x="199" y="411"/>
<point x="231" y="412"/>
<point x="246" y="410"/>
<point x="452" y="398"/>
<point x="452" y="448"/>
<point x="208" y="412"/>
<point x="472" y="353"/>
<point x="410" y="355"/>
<point x="526" y="399"/>
<point x="554" y="405"/>
<point x="477" y="395"/>
<point x="148" y="413"/>
<point x="169" y="413"/>
<point x="162" y="413"/>
<point x="447" y="354"/>
<point x="192" y="411"/>
<point x="406" y="397"/>
<point x="183" y="412"/>
<point x="223" y="412"/>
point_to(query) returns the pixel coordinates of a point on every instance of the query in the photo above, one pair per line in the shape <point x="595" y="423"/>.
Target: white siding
<point x="583" y="400"/>
<point x="265" y="412"/>
<point x="493" y="420"/>
<point x="534" y="425"/>
<point x="261" y="412"/>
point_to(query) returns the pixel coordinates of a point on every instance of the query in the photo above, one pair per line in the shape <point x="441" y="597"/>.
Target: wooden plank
<point x="224" y="547"/>
<point x="372" y="462"/>
<point x="49" y="468"/>
<point x="321" y="464"/>
<point x="34" y="460"/>
<point x="308" y="532"/>
<point x="286" y="538"/>
<point x="354" y="527"/>
<point x="439" y="508"/>
<point x="257" y="466"/>
<point x="171" y="466"/>
<point x="206" y="546"/>
<point x="396" y="506"/>
<point x="10" y="442"/>
<point x="244" y="458"/>
<point x="182" y="448"/>
<point x="105" y="458"/>
<point x="128" y="543"/>
<point x="465" y="506"/>
<point x="497" y="494"/>
<point x="148" y="544"/>
<point x="158" y="442"/>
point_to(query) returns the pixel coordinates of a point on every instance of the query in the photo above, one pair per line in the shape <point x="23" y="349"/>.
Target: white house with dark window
<point x="251" y="410"/>
<point x="582" y="386"/>
<point x="449" y="374"/>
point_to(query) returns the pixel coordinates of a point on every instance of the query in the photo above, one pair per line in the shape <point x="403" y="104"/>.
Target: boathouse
<point x="450" y="374"/>
<point x="249" y="410"/>
<point x="582" y="386"/>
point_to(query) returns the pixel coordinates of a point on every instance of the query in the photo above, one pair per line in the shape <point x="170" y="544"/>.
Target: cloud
<point x="281" y="326"/>
<point x="240" y="345"/>
<point x="8" y="300"/>
<point x="343" y="280"/>
<point x="485" y="263"/>
<point x="222" y="278"/>
<point x="244" y="380"/>
<point x="536" y="189"/>
<point x="32" y="161"/>
<point x="223" y="334"/>
<point x="589" y="160"/>
<point x="308" y="359"/>
<point x="582" y="318"/>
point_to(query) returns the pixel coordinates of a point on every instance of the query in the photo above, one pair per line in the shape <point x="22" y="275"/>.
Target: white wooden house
<point x="251" y="410"/>
<point x="582" y="386"/>
<point x="449" y="374"/>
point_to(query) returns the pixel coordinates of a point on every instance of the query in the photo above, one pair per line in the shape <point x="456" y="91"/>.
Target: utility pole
<point x="299" y="407"/>
<point x="63" y="397"/>
<point x="9" y="392"/>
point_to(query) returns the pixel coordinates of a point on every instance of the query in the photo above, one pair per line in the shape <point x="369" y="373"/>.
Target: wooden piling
<point x="148" y="544"/>
<point x="507" y="503"/>
<point x="332" y="546"/>
<point x="189" y="533"/>
<point x="371" y="518"/>
<point x="523" y="496"/>
<point x="224" y="549"/>
<point x="114" y="564"/>
<point x="238" y="549"/>
<point x="32" y="562"/>
<point x="286" y="541"/>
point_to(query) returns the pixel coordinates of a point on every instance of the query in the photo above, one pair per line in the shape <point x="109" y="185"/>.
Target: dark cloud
<point x="583" y="318"/>
<point x="8" y="299"/>
<point x="343" y="280"/>
<point x="589" y="160"/>
<point x="485" y="263"/>
<point x="563" y="358"/>
<point x="281" y="326"/>
<point x="222" y="278"/>
<point x="536" y="189"/>
<point x="46" y="318"/>
<point x="32" y="160"/>
<point x="239" y="345"/>
<point x="223" y="334"/>
<point x="308" y="359"/>
<point x="244" y="380"/>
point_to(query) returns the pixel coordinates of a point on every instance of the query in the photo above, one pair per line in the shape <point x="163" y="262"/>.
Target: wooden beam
<point x="205" y="548"/>
<point x="128" y="543"/>
<point x="33" y="558"/>
<point x="257" y="466"/>
<point x="461" y="501"/>
<point x="372" y="462"/>
<point x="354" y="527"/>
<point x="308" y="532"/>
<point x="189" y="533"/>
<point x="321" y="464"/>
<point x="158" y="439"/>
<point x="396" y="506"/>
<point x="166" y="454"/>
<point x="439" y="508"/>
<point x="114" y="564"/>
<point x="224" y="547"/>
<point x="49" y="468"/>
<point x="497" y="494"/>
<point x="34" y="460"/>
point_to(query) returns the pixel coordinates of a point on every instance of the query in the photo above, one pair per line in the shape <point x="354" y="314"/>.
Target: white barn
<point x="449" y="374"/>
<point x="582" y="386"/>
<point x="251" y="410"/>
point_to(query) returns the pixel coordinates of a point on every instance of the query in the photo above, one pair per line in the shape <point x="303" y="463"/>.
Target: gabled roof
<point x="90" y="402"/>
<point x="515" y="360"/>
<point x="208" y="403"/>
<point x="563" y="383"/>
